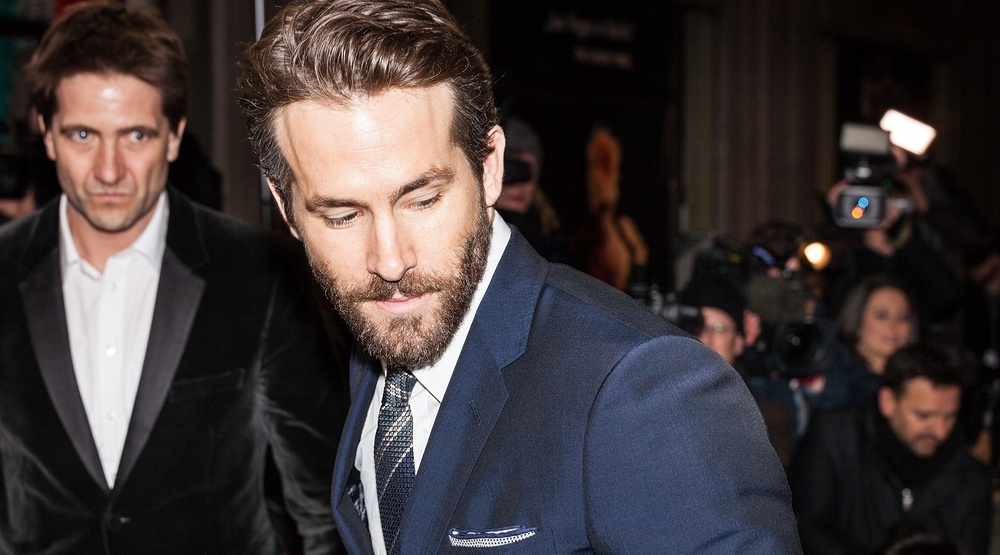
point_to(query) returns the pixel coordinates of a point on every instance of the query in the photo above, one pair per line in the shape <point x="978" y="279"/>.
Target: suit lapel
<point x="177" y="298"/>
<point x="475" y="398"/>
<point x="346" y="482"/>
<point x="43" y="304"/>
<point x="476" y="395"/>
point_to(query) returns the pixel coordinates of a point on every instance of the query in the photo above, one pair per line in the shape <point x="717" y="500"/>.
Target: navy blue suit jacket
<point x="587" y="419"/>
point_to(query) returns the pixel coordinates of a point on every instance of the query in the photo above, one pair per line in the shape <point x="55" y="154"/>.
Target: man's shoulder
<point x="224" y="238"/>
<point x="842" y="431"/>
<point x="17" y="236"/>
<point x="969" y="471"/>
<point x="593" y="302"/>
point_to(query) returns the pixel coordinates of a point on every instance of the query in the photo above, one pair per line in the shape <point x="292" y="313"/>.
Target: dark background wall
<point x="729" y="115"/>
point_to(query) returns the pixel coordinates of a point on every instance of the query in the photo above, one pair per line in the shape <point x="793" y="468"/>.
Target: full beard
<point x="413" y="341"/>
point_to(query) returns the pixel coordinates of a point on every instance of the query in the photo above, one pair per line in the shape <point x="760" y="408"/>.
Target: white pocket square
<point x="490" y="537"/>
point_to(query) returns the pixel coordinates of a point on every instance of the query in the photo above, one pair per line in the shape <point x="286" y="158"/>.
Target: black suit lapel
<point x="41" y="293"/>
<point x="177" y="298"/>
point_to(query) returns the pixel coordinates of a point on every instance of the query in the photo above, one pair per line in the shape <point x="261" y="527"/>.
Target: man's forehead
<point x="345" y="147"/>
<point x="922" y="391"/>
<point x="99" y="91"/>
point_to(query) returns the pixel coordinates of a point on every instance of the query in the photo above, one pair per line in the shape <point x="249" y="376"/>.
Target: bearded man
<point x="498" y="400"/>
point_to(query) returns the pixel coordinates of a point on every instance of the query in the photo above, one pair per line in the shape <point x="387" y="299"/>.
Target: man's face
<point x="720" y="333"/>
<point x="112" y="146"/>
<point x="395" y="224"/>
<point x="923" y="416"/>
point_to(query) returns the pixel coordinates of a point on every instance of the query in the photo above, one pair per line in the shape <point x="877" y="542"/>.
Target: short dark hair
<point x="335" y="51"/>
<point x="919" y="361"/>
<point x="107" y="38"/>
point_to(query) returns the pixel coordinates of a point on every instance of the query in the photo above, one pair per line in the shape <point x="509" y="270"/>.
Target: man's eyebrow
<point x="430" y="177"/>
<point x="145" y="129"/>
<point x="69" y="129"/>
<point x="75" y="128"/>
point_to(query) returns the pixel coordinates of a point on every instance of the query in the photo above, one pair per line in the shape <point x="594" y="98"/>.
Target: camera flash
<point x="907" y="133"/>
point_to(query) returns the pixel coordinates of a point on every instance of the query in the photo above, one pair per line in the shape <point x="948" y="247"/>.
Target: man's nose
<point x="390" y="251"/>
<point x="109" y="167"/>
<point x="942" y="429"/>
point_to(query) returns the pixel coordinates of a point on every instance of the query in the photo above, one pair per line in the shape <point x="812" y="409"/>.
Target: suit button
<point x="117" y="522"/>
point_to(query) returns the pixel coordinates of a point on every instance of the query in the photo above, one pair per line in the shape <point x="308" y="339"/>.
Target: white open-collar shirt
<point x="108" y="316"/>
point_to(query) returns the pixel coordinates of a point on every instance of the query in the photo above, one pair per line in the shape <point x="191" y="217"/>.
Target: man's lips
<point x="402" y="304"/>
<point x="109" y="196"/>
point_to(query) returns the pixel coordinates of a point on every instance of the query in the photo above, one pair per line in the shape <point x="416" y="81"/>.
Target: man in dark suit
<point x="499" y="400"/>
<point x="150" y="350"/>
<point x="867" y="477"/>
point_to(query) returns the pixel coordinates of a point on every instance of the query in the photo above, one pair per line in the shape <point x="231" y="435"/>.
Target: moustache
<point x="410" y="285"/>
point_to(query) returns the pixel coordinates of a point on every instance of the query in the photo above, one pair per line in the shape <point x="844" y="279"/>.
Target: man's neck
<point x="97" y="246"/>
<point x="907" y="467"/>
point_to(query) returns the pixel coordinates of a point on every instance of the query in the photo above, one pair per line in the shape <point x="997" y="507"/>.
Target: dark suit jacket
<point x="237" y="359"/>
<point x="576" y="412"/>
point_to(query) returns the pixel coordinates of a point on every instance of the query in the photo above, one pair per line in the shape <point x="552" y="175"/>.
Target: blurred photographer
<point x="522" y="202"/>
<point x="883" y="195"/>
<point x="728" y="327"/>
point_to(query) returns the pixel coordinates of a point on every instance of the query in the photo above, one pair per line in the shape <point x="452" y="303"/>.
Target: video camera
<point x="685" y="317"/>
<point x="870" y="165"/>
<point x="790" y="345"/>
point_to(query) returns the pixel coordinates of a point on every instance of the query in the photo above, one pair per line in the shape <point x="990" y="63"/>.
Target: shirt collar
<point x="435" y="378"/>
<point x="150" y="244"/>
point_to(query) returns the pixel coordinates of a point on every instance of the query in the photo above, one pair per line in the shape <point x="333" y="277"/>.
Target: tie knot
<point x="398" y="385"/>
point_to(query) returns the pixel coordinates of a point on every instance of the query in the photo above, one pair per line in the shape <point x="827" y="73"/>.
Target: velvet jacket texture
<point x="577" y="421"/>
<point x="238" y="358"/>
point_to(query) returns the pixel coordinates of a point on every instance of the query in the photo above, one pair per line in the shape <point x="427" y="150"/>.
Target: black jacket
<point x="237" y="361"/>
<point x="848" y="500"/>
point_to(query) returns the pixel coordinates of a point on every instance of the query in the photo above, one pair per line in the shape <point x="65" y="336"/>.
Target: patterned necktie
<point x="394" y="469"/>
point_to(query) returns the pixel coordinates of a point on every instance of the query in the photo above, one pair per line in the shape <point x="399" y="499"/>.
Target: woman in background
<point x="876" y="319"/>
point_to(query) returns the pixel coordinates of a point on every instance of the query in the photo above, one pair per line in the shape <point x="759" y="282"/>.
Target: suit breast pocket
<point x="203" y="386"/>
<point x="486" y="542"/>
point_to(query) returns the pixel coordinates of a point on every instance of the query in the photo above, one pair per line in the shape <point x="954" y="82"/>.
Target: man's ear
<point x="886" y="402"/>
<point x="50" y="147"/>
<point x="281" y="208"/>
<point x="174" y="138"/>
<point x="493" y="166"/>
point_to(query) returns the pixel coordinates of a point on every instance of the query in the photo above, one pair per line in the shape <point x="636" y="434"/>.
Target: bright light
<point x="907" y="133"/>
<point x="817" y="254"/>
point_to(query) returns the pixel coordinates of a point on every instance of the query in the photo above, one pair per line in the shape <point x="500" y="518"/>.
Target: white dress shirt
<point x="108" y="316"/>
<point x="432" y="382"/>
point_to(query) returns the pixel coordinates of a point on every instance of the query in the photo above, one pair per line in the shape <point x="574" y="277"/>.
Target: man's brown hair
<point x="336" y="51"/>
<point x="109" y="39"/>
